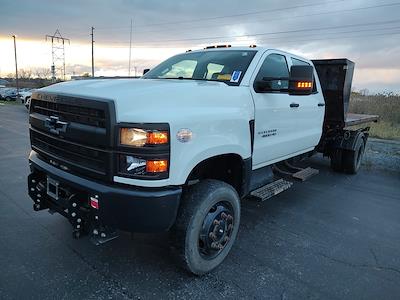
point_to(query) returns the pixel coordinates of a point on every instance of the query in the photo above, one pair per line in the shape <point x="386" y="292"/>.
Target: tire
<point x="8" y="98"/>
<point x="352" y="159"/>
<point x="336" y="160"/>
<point x="200" y="243"/>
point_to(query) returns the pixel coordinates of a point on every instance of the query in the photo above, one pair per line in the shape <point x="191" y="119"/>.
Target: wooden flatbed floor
<point x="356" y="119"/>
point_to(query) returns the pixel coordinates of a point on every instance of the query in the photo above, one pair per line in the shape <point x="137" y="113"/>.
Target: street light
<point x="16" y="65"/>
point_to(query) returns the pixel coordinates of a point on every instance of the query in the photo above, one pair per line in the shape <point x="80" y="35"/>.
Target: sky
<point x="367" y="32"/>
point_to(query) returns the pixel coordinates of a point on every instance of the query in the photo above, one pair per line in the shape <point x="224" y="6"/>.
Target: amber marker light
<point x="157" y="137"/>
<point x="304" y="84"/>
<point x="157" y="166"/>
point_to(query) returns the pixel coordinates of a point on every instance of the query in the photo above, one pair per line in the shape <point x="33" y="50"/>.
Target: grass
<point x="387" y="106"/>
<point x="3" y="102"/>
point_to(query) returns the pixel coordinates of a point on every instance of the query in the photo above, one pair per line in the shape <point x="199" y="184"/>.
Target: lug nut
<point x="33" y="180"/>
<point x="38" y="195"/>
<point x="78" y="226"/>
<point x="95" y="231"/>
<point x="103" y="235"/>
<point x="79" y="220"/>
<point x="38" y="200"/>
<point x="32" y="189"/>
<point x="74" y="204"/>
<point x="73" y="215"/>
<point x="96" y="217"/>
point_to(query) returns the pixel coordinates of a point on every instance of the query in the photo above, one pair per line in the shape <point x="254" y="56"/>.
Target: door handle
<point x="294" y="105"/>
<point x="321" y="104"/>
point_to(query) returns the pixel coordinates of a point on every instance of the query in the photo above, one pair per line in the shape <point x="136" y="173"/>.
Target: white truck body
<point x="216" y="113"/>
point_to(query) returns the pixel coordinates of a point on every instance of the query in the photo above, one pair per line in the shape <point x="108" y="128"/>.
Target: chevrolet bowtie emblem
<point x="55" y="125"/>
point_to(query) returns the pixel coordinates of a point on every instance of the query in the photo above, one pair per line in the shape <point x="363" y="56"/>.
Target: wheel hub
<point x="216" y="230"/>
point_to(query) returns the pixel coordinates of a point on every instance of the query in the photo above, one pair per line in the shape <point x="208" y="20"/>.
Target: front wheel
<point x="206" y="226"/>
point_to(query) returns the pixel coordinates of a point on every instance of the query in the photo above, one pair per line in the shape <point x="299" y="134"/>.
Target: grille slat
<point x="84" y="115"/>
<point x="83" y="156"/>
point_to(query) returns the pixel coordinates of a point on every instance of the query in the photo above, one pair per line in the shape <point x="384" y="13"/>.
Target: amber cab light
<point x="156" y="166"/>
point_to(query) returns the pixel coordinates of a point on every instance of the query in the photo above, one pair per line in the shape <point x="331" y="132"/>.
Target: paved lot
<point x="333" y="237"/>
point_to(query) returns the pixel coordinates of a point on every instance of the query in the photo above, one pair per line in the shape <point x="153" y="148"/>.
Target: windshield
<point x="227" y="66"/>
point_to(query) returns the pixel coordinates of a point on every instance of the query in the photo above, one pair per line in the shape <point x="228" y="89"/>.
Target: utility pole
<point x="130" y="50"/>
<point x="57" y="53"/>
<point x="16" y="65"/>
<point x="92" y="52"/>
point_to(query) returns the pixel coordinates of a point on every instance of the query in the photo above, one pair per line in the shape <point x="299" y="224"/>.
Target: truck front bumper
<point x="128" y="208"/>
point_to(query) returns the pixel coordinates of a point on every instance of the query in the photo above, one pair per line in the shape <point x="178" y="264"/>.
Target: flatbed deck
<point x="356" y="119"/>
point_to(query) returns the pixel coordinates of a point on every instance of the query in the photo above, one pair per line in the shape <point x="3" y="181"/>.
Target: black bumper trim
<point x="134" y="209"/>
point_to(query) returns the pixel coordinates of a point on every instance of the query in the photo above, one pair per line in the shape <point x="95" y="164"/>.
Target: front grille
<point x="71" y="113"/>
<point x="76" y="157"/>
<point x="84" y="146"/>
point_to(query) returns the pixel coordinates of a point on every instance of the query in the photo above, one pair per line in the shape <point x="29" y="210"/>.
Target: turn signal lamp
<point x="304" y="84"/>
<point x="156" y="166"/>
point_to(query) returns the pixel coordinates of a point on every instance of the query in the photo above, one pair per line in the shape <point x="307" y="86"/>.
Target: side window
<point x="298" y="62"/>
<point x="273" y="74"/>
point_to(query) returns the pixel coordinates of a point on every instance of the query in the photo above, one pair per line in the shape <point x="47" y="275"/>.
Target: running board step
<point x="267" y="191"/>
<point x="305" y="174"/>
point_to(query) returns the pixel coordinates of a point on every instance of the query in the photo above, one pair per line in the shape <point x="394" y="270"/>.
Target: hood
<point x="150" y="100"/>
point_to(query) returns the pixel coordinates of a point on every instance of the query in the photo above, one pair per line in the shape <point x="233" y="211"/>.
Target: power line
<point x="290" y="39"/>
<point x="274" y="19"/>
<point x="276" y="32"/>
<point x="228" y="16"/>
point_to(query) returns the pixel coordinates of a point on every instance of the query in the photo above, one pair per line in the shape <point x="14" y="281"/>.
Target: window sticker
<point x="236" y="76"/>
<point x="224" y="77"/>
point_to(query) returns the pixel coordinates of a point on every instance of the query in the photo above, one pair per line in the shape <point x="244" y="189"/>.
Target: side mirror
<point x="271" y="84"/>
<point x="301" y="80"/>
<point x="145" y="71"/>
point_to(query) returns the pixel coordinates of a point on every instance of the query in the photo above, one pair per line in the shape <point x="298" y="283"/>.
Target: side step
<point x="267" y="191"/>
<point x="306" y="173"/>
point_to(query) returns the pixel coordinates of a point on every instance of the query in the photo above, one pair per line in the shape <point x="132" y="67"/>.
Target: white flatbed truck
<point x="178" y="149"/>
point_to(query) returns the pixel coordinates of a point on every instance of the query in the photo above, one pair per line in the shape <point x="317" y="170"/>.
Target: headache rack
<point x="335" y="76"/>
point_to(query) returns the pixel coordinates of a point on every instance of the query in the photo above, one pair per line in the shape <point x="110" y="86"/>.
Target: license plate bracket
<point x="53" y="188"/>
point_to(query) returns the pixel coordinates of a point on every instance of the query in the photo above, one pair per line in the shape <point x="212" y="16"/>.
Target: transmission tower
<point x="58" y="54"/>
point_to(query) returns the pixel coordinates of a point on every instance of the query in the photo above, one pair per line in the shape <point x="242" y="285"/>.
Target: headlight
<point x="139" y="137"/>
<point x="134" y="166"/>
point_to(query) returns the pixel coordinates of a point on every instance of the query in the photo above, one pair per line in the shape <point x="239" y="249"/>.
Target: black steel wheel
<point x="206" y="226"/>
<point x="217" y="230"/>
<point x="352" y="158"/>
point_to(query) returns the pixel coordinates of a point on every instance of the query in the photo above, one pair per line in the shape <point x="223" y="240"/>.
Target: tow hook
<point x="103" y="235"/>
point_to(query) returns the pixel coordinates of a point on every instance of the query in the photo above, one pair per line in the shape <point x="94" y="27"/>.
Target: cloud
<point x="312" y="28"/>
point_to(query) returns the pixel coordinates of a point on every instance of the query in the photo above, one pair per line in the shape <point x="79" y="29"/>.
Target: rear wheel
<point x="8" y="98"/>
<point x="336" y="160"/>
<point x="206" y="226"/>
<point x="352" y="158"/>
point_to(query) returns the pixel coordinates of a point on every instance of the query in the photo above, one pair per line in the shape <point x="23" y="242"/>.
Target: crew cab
<point x="179" y="149"/>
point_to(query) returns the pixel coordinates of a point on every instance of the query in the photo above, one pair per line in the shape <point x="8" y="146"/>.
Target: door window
<point x="274" y="74"/>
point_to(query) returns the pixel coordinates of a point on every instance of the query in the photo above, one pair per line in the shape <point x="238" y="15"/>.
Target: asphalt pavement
<point x="335" y="236"/>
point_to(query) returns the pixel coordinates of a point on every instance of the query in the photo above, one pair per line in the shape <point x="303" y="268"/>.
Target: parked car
<point x="25" y="96"/>
<point x="8" y="94"/>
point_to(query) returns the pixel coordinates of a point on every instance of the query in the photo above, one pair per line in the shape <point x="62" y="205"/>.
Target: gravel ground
<point x="382" y="154"/>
